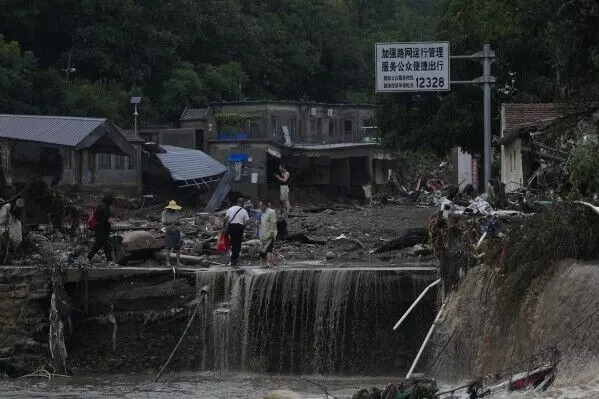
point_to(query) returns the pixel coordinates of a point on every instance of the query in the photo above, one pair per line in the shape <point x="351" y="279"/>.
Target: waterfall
<point x="327" y="321"/>
<point x="221" y="334"/>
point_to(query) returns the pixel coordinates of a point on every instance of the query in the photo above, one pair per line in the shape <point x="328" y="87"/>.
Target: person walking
<point x="103" y="226"/>
<point x="171" y="216"/>
<point x="268" y="234"/>
<point x="236" y="218"/>
<point x="283" y="177"/>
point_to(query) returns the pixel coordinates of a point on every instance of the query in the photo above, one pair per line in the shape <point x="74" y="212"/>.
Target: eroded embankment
<point x="494" y="325"/>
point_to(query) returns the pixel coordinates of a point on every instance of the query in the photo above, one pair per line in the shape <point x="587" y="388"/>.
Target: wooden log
<point x="410" y="238"/>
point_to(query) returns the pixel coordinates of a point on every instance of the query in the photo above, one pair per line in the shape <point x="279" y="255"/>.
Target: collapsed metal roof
<point x="66" y="131"/>
<point x="190" y="167"/>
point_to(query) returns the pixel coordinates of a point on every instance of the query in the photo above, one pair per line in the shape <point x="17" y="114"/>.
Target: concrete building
<point x="325" y="145"/>
<point x="88" y="153"/>
<point x="317" y="141"/>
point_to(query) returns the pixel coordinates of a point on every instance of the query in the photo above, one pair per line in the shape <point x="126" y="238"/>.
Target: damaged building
<point x="536" y="138"/>
<point x="87" y="153"/>
<point x="178" y="171"/>
<point x="332" y="146"/>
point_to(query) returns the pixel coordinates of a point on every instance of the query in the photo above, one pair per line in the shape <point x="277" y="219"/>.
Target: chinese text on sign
<point x="412" y="67"/>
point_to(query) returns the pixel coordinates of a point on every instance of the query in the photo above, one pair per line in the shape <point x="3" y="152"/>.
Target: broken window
<point x="119" y="162"/>
<point x="104" y="161"/>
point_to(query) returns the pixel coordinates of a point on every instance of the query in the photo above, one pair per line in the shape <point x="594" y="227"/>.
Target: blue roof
<point x="188" y="164"/>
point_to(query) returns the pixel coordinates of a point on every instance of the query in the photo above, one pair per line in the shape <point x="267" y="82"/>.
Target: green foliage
<point x="184" y="88"/>
<point x="235" y="120"/>
<point x="581" y="169"/>
<point x="547" y="50"/>
<point x="85" y="98"/>
<point x="225" y="81"/>
<point x="566" y="231"/>
<point x="15" y="78"/>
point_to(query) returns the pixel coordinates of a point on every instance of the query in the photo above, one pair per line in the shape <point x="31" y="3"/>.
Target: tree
<point x="184" y="88"/>
<point x="16" y="73"/>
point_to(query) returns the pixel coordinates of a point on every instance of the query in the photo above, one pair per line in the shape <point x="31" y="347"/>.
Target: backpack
<point x="92" y="222"/>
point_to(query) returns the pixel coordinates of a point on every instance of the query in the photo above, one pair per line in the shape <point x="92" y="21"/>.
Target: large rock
<point x="282" y="394"/>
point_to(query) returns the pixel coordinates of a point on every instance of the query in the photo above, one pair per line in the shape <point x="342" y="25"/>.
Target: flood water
<point x="213" y="386"/>
<point x="184" y="385"/>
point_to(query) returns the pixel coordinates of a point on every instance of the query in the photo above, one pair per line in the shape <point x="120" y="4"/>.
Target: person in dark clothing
<point x="103" y="227"/>
<point x="236" y="217"/>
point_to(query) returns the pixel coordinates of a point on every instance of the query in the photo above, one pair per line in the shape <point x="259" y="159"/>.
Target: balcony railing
<point x="362" y="136"/>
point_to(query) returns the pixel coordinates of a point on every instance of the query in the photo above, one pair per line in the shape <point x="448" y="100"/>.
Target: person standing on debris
<point x="103" y="225"/>
<point x="268" y="234"/>
<point x="171" y="216"/>
<point x="283" y="178"/>
<point x="236" y="218"/>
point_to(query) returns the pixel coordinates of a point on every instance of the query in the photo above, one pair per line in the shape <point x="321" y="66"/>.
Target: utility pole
<point x="424" y="67"/>
<point x="486" y="56"/>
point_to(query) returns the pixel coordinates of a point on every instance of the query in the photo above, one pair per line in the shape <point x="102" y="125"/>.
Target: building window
<point x="367" y="122"/>
<point x="332" y="127"/>
<point x="347" y="127"/>
<point x="132" y="161"/>
<point x="119" y="162"/>
<point x="104" y="161"/>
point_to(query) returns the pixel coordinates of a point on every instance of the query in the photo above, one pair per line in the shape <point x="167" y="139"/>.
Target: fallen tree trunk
<point x="410" y="238"/>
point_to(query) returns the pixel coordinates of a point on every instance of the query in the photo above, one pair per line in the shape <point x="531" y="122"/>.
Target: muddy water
<point x="184" y="385"/>
<point x="213" y="386"/>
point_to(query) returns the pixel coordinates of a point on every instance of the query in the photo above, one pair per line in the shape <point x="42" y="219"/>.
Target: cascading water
<point x="221" y="334"/>
<point x="327" y="321"/>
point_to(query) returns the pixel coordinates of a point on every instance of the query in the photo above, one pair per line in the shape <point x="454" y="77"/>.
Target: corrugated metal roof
<point x="187" y="164"/>
<point x="59" y="130"/>
<point x="194" y="114"/>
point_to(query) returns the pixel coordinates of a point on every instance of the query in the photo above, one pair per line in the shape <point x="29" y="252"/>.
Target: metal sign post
<point x="418" y="67"/>
<point x="487" y="56"/>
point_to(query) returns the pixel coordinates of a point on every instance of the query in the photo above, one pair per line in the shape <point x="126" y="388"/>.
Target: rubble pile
<point x="339" y="233"/>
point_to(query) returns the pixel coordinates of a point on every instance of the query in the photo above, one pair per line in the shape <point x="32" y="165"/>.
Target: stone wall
<point x="24" y="303"/>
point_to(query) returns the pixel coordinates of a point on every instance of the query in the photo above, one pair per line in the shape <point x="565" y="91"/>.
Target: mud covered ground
<point x="365" y="229"/>
<point x="335" y="234"/>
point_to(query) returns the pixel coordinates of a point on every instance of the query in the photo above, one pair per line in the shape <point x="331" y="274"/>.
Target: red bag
<point x="224" y="244"/>
<point x="92" y="222"/>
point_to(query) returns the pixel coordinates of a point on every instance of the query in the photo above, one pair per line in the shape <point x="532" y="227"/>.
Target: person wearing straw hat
<point x="170" y="218"/>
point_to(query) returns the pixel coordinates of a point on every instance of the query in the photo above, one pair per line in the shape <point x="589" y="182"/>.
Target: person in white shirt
<point x="236" y="218"/>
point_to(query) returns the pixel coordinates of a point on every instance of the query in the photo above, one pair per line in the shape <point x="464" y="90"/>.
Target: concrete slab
<point x="74" y="274"/>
